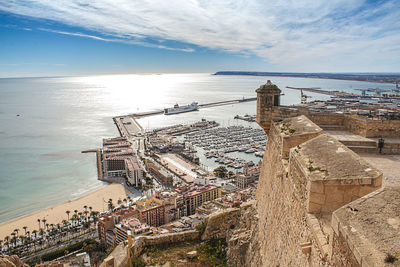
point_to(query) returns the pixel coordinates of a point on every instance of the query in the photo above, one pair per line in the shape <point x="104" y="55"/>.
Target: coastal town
<point x="169" y="189"/>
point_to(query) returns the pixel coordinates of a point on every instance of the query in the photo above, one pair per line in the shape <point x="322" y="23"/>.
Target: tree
<point x="67" y="212"/>
<point x="220" y="172"/>
<point x="7" y="240"/>
<point x="44" y="222"/>
<point x="110" y="204"/>
<point x="38" y="222"/>
<point x="25" y="227"/>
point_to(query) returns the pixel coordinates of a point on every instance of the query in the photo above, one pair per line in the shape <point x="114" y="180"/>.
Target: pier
<point x="324" y="92"/>
<point x="206" y="105"/>
<point x="98" y="161"/>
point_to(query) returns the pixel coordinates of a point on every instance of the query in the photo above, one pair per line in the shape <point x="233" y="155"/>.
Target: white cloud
<point x="288" y="33"/>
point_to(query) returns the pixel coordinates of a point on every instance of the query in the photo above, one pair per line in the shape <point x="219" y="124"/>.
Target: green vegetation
<point x="201" y="227"/>
<point x="220" y="172"/>
<point x="214" y="251"/>
<point x="390" y="258"/>
<point x="139" y="262"/>
<point x="97" y="252"/>
<point x="311" y="168"/>
<point x="209" y="253"/>
<point x="88" y="244"/>
<point x="285" y="128"/>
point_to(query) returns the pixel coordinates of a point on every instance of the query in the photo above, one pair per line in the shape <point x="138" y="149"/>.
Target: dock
<point x="324" y="92"/>
<point x="201" y="106"/>
<point x="98" y="161"/>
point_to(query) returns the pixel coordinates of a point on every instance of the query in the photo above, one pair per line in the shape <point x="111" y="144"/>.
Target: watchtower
<point x="268" y="99"/>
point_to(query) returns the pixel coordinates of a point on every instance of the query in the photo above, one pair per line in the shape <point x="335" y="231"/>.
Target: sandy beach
<point x="57" y="213"/>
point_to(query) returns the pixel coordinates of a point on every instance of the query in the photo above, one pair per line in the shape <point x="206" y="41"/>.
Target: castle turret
<point x="268" y="99"/>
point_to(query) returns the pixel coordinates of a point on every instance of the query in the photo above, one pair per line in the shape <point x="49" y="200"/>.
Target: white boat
<point x="177" y="109"/>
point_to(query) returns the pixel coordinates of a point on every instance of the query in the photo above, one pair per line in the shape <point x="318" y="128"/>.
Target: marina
<point x="219" y="142"/>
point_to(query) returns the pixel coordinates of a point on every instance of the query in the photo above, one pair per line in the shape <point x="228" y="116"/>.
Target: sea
<point x="45" y="123"/>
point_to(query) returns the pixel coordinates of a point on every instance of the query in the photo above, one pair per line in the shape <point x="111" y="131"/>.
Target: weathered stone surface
<point x="11" y="261"/>
<point x="367" y="230"/>
<point x="219" y="223"/>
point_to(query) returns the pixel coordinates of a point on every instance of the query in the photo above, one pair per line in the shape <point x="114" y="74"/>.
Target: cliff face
<point x="11" y="261"/>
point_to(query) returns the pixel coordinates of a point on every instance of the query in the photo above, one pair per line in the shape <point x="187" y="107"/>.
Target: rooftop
<point x="269" y="86"/>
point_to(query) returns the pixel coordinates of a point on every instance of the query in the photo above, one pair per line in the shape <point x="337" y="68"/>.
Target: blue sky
<point x="79" y="37"/>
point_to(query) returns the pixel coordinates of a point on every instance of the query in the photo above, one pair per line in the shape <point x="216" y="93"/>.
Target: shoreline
<point x="55" y="214"/>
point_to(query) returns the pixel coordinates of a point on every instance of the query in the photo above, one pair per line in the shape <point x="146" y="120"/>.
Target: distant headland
<point x="366" y="77"/>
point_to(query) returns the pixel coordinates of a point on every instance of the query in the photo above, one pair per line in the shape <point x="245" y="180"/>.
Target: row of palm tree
<point x="49" y="234"/>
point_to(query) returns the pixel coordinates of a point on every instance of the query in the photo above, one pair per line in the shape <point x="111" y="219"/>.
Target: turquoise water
<point x="41" y="161"/>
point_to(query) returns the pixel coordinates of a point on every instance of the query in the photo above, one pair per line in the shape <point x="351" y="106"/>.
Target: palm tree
<point x="85" y="207"/>
<point x="75" y="215"/>
<point x="25" y="227"/>
<point x="7" y="239"/>
<point x="110" y="204"/>
<point x="67" y="212"/>
<point x="38" y="222"/>
<point x="86" y="213"/>
<point x="44" y="221"/>
<point x="13" y="239"/>
<point x="16" y="230"/>
<point x="129" y="199"/>
<point x="34" y="232"/>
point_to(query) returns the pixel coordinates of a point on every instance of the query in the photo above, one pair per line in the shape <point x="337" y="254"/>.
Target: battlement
<point x="332" y="174"/>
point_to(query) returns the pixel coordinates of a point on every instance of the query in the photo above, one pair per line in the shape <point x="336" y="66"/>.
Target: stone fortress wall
<point x="318" y="203"/>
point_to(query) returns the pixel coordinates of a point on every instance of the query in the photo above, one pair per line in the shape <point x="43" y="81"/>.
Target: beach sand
<point x="57" y="213"/>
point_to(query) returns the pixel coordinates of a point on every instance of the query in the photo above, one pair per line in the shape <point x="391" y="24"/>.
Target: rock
<point x="192" y="254"/>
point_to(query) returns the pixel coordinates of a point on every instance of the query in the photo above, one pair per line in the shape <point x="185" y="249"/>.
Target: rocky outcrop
<point x="240" y="237"/>
<point x="220" y="223"/>
<point x="11" y="261"/>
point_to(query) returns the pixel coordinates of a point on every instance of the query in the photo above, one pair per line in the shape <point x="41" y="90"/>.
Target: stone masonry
<point x="317" y="203"/>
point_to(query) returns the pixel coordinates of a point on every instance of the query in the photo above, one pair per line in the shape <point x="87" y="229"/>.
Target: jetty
<point x="201" y="106"/>
<point x="98" y="161"/>
<point x="324" y="92"/>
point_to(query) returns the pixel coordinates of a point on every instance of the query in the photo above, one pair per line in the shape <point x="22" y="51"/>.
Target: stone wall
<point x="303" y="172"/>
<point x="220" y="223"/>
<point x="324" y="118"/>
<point x="382" y="128"/>
<point x="141" y="242"/>
<point x="282" y="226"/>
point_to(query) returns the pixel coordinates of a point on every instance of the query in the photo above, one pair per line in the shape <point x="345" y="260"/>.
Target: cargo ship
<point x="177" y="109"/>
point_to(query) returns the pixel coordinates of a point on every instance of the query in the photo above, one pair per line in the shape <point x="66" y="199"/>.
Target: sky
<point x="83" y="37"/>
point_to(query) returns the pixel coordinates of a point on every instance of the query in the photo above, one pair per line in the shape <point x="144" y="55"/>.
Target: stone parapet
<point x="366" y="231"/>
<point x="333" y="176"/>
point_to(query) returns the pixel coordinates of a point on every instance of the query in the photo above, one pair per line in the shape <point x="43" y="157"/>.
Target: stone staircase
<point x="361" y="146"/>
